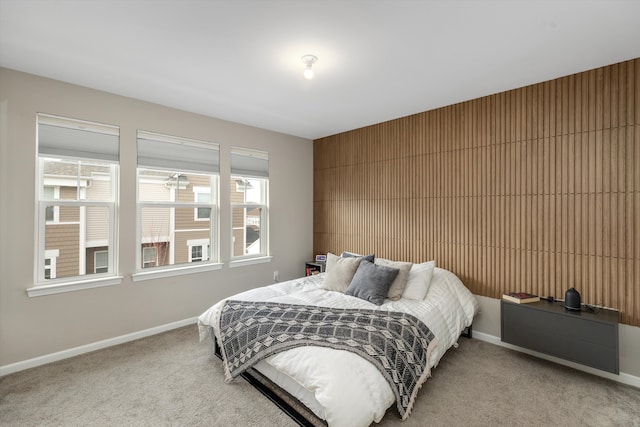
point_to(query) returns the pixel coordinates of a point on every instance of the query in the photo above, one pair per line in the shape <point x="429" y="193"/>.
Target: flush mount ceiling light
<point x="309" y="60"/>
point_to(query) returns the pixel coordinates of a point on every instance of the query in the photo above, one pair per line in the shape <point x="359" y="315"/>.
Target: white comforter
<point x="349" y="389"/>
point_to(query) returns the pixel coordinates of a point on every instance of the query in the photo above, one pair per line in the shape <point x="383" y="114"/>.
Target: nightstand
<point x="588" y="338"/>
<point x="314" y="267"/>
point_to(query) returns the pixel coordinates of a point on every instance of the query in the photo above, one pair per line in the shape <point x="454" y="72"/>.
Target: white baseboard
<point x="623" y="378"/>
<point x="65" y="354"/>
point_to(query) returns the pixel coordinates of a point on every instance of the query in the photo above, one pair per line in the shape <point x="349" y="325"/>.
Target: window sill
<point x="176" y="271"/>
<point x="62" y="287"/>
<point x="249" y="261"/>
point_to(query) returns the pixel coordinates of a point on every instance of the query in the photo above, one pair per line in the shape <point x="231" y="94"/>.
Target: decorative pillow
<point x="369" y="258"/>
<point x="339" y="272"/>
<point x="398" y="285"/>
<point x="371" y="282"/>
<point x="419" y="280"/>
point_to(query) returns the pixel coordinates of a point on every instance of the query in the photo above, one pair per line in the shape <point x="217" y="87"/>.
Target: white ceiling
<point x="377" y="60"/>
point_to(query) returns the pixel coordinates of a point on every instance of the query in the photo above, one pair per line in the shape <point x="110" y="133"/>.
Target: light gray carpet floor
<point x="171" y="379"/>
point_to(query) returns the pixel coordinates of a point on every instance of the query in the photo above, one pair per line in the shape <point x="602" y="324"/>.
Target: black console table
<point x="588" y="338"/>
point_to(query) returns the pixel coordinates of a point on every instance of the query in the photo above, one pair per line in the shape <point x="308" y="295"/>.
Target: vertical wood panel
<point x="534" y="189"/>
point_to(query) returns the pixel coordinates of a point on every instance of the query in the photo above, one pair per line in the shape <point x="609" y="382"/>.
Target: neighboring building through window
<point x="77" y="196"/>
<point x="177" y="200"/>
<point x="249" y="202"/>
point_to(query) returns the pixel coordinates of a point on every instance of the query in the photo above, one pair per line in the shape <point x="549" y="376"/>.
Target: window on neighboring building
<point x="249" y="202"/>
<point x="198" y="250"/>
<point x="77" y="197"/>
<point x="149" y="257"/>
<point x="196" y="253"/>
<point x="47" y="268"/>
<point x="52" y="212"/>
<point x="177" y="200"/>
<point x="101" y="261"/>
<point x="50" y="258"/>
<point x="202" y="195"/>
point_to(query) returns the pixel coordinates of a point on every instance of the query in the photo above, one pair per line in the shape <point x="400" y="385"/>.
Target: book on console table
<point x="520" y="297"/>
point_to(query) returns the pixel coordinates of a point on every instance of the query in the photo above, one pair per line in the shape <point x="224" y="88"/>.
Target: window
<point x="249" y="201"/>
<point x="149" y="257"/>
<point x="177" y="202"/>
<point x="47" y="268"/>
<point x="77" y="196"/>
<point x="196" y="253"/>
<point x="101" y="261"/>
<point x="202" y="195"/>
<point x="50" y="263"/>
<point x="198" y="250"/>
<point x="52" y="212"/>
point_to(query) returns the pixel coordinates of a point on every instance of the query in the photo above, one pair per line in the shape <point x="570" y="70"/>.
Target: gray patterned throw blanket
<point x="398" y="344"/>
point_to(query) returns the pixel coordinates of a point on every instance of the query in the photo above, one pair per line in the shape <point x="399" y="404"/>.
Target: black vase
<point x="572" y="300"/>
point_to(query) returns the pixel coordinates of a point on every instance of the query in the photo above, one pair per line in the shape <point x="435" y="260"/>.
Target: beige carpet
<point x="171" y="379"/>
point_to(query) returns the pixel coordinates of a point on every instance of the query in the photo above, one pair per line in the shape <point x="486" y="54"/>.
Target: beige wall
<point x="32" y="327"/>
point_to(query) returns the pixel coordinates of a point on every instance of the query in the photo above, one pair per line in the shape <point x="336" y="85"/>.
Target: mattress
<point x="291" y="386"/>
<point x="339" y="386"/>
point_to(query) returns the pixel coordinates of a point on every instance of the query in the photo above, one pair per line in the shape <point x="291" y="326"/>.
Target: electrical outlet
<point x="276" y="276"/>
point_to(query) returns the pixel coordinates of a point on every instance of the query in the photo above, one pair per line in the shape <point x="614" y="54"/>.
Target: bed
<point x="340" y="385"/>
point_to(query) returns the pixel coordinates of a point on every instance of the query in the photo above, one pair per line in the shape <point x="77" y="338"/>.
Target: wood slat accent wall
<point x="535" y="189"/>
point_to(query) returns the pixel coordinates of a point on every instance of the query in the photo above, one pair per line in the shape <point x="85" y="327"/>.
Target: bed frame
<point x="285" y="401"/>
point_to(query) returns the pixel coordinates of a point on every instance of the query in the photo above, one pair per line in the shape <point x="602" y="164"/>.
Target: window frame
<point x="247" y="163"/>
<point x="165" y="164"/>
<point x="69" y="152"/>
<point x="264" y="224"/>
<point x="173" y="269"/>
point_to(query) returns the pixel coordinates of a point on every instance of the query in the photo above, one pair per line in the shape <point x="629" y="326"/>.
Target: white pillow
<point x="419" y="280"/>
<point x="339" y="272"/>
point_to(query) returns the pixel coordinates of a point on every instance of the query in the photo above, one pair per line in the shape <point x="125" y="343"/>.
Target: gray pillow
<point x="400" y="282"/>
<point x="369" y="258"/>
<point x="371" y="282"/>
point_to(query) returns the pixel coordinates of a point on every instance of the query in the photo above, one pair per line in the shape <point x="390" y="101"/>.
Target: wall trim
<point x="623" y="378"/>
<point x="76" y="351"/>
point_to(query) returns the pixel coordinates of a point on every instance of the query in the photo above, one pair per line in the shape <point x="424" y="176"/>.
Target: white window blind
<point x="250" y="163"/>
<point x="176" y="153"/>
<point x="60" y="137"/>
